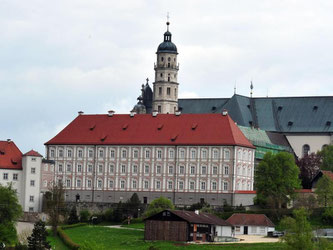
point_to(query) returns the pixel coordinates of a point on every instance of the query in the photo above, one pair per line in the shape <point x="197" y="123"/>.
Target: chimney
<point x="196" y="212"/>
<point x="178" y="112"/>
<point x="154" y="113"/>
<point x="111" y="113"/>
<point x="132" y="113"/>
<point x="224" y="112"/>
<point x="9" y="140"/>
<point x="80" y="112"/>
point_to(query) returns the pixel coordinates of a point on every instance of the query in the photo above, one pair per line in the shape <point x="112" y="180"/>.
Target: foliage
<point x="67" y="240"/>
<point x="84" y="215"/>
<point x="324" y="191"/>
<point x="309" y="168"/>
<point x="327" y="216"/>
<point x="133" y="205"/>
<point x="198" y="206"/>
<point x="23" y="236"/>
<point x="10" y="212"/>
<point x="158" y="205"/>
<point x="73" y="225"/>
<point x="37" y="240"/>
<point x="73" y="218"/>
<point x="108" y="215"/>
<point x="276" y="179"/>
<point x="55" y="205"/>
<point x="298" y="231"/>
<point x="118" y="215"/>
<point x="327" y="158"/>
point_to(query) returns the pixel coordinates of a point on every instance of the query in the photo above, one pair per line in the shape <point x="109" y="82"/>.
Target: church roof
<point x="275" y="114"/>
<point x="145" y="129"/>
<point x="10" y="156"/>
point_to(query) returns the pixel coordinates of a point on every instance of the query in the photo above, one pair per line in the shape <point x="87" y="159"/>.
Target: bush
<point x="328" y="215"/>
<point x="73" y="226"/>
<point x="73" y="218"/>
<point x="84" y="215"/>
<point x="108" y="215"/>
<point x="67" y="241"/>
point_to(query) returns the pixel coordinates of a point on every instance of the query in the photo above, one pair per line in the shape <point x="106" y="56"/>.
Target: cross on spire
<point x="168" y="21"/>
<point x="147" y="80"/>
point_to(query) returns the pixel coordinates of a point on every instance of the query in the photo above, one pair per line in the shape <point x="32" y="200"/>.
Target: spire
<point x="235" y="88"/>
<point x="167" y="34"/>
<point x="168" y="23"/>
<point x="251" y="87"/>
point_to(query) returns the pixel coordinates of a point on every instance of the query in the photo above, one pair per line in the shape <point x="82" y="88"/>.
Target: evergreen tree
<point x="73" y="218"/>
<point x="133" y="205"/>
<point x="37" y="240"/>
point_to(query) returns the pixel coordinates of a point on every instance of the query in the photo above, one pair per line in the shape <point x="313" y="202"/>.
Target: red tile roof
<point x="33" y="153"/>
<point x="250" y="220"/>
<point x="10" y="156"/>
<point x="328" y="174"/>
<point x="303" y="191"/>
<point x="144" y="129"/>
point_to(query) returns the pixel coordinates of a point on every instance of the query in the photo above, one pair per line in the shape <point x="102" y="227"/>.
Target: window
<point x="158" y="184"/>
<point x="52" y="153"/>
<point x="146" y="169"/>
<point x="15" y="177"/>
<point x="90" y="153"/>
<point x="68" y="183"/>
<point x="80" y="153"/>
<point x="192" y="185"/>
<point x="239" y="155"/>
<point x="134" y="184"/>
<point x="237" y="229"/>
<point x="182" y="153"/>
<point x="192" y="170"/>
<point x="122" y="184"/>
<point x="204" y="154"/>
<point x="33" y="159"/>
<point x="225" y="186"/>
<point x="32" y="183"/>
<point x="226" y="170"/>
<point x="171" y="153"/>
<point x="100" y="168"/>
<point x="69" y="168"/>
<point x="215" y="154"/>
<point x="5" y="176"/>
<point x="159" y="154"/>
<point x="147" y="154"/>
<point x="99" y="183"/>
<point x="226" y="154"/>
<point x="203" y="185"/>
<point x="181" y="185"/>
<point x="60" y="168"/>
<point x="89" y="183"/>
<point x="61" y="153"/>
<point x="244" y="171"/>
<point x="181" y="169"/>
<point x="203" y="170"/>
<point x="248" y="186"/>
<point x="123" y="169"/>
<point x="111" y="169"/>
<point x="160" y="90"/>
<point x="158" y="169"/>
<point x="244" y="156"/>
<point x="146" y="184"/>
<point x="159" y="109"/>
<point x="214" y="170"/>
<point x="239" y="170"/>
<point x="306" y="150"/>
<point x="214" y="185"/>
<point x="69" y="153"/>
<point x="78" y="183"/>
<point x="31" y="209"/>
<point x="170" y="169"/>
<point x="170" y="185"/>
<point x="101" y="153"/>
<point x="135" y="169"/>
<point x="124" y="153"/>
<point x="111" y="184"/>
<point x="169" y="59"/>
<point x="162" y="58"/>
<point x="45" y="183"/>
<point x="112" y="154"/>
<point x="79" y="168"/>
<point x="175" y="90"/>
<point x="135" y="154"/>
<point x="249" y="171"/>
<point x="90" y="168"/>
<point x="250" y="156"/>
<point x="193" y="154"/>
<point x="168" y="91"/>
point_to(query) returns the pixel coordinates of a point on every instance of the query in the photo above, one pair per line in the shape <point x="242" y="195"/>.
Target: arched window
<point x="162" y="58"/>
<point x="306" y="149"/>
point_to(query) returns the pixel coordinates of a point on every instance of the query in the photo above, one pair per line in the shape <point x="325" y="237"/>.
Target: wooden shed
<point x="177" y="225"/>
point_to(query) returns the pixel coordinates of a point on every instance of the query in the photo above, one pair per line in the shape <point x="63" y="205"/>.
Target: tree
<point x="309" y="168"/>
<point x="298" y="231"/>
<point x="158" y="205"/>
<point x="10" y="212"/>
<point x="37" y="240"/>
<point x="327" y="158"/>
<point x="118" y="215"/>
<point x="133" y="205"/>
<point x="73" y="218"/>
<point x="276" y="179"/>
<point x="324" y="191"/>
<point x="55" y="205"/>
<point x="84" y="215"/>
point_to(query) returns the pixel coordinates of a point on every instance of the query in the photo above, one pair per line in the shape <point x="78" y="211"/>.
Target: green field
<point x="96" y="237"/>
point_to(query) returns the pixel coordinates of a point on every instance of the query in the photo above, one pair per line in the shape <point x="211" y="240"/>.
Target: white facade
<point x="223" y="231"/>
<point x="252" y="230"/>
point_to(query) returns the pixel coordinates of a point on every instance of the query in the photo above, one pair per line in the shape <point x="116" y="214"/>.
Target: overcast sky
<point x="60" y="57"/>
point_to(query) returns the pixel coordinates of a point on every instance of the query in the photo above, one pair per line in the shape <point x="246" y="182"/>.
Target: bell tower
<point x="165" y="97"/>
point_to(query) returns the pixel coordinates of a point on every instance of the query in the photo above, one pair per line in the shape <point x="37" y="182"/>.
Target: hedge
<point x="73" y="225"/>
<point x="65" y="238"/>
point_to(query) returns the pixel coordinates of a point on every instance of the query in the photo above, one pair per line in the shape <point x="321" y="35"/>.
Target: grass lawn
<point x="100" y="238"/>
<point x="135" y="225"/>
<point x="56" y="243"/>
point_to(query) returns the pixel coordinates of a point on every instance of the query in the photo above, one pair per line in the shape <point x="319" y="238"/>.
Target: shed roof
<point x="239" y="219"/>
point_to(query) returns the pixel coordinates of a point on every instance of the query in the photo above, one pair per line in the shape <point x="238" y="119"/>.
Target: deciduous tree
<point x="327" y="158"/>
<point x="309" y="168"/>
<point x="158" y="205"/>
<point x="276" y="179"/>
<point x="324" y="191"/>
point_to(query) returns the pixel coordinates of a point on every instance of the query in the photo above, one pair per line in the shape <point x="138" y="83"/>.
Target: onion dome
<point x="167" y="46"/>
